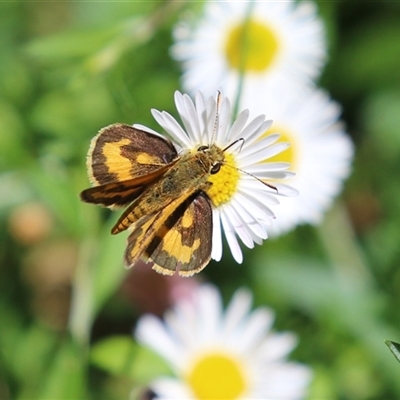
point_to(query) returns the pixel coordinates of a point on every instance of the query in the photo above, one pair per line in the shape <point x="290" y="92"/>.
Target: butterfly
<point x="168" y="212"/>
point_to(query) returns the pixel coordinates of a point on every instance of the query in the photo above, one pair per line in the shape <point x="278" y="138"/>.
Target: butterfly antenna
<point x="233" y="143"/>
<point x="253" y="176"/>
<point x="219" y="101"/>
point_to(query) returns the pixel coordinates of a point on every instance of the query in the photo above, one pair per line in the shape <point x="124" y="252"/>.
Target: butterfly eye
<point x="215" y="167"/>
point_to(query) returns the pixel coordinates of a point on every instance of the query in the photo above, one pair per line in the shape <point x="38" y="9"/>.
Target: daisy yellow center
<point x="217" y="376"/>
<point x="288" y="155"/>
<point x="251" y="47"/>
<point x="224" y="182"/>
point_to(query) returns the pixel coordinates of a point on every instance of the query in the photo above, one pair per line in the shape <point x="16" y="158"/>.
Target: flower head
<point x="320" y="152"/>
<point x="223" y="355"/>
<point x="239" y="192"/>
<point x="273" y="43"/>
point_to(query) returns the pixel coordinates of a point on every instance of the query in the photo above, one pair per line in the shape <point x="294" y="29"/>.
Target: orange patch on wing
<point x="118" y="165"/>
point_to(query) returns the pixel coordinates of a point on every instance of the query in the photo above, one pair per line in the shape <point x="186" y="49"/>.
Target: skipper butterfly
<point x="168" y="212"/>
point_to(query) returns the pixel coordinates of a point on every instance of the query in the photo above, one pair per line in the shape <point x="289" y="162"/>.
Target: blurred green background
<point x="67" y="306"/>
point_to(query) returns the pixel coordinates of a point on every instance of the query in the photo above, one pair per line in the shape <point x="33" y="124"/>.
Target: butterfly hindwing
<point x="177" y="237"/>
<point x="120" y="194"/>
<point x="144" y="229"/>
<point x="121" y="152"/>
<point x="185" y="242"/>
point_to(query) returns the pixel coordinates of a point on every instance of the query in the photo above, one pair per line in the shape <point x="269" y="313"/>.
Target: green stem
<point x="340" y="243"/>
<point x="243" y="49"/>
<point x="80" y="319"/>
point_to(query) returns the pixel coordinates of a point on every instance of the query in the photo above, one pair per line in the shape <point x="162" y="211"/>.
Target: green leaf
<point x="121" y="356"/>
<point x="115" y="354"/>
<point x="149" y="365"/>
<point x="66" y="376"/>
<point x="381" y="118"/>
<point x="394" y="348"/>
<point x="71" y="44"/>
<point x="109" y="268"/>
<point x="55" y="188"/>
<point x="13" y="152"/>
<point x="341" y="303"/>
<point x="368" y="58"/>
<point x="23" y="348"/>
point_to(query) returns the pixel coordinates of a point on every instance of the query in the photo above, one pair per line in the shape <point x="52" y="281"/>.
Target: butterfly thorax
<point x="189" y="174"/>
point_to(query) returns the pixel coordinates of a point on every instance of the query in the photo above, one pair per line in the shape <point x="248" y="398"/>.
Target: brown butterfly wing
<point x="184" y="241"/>
<point x="122" y="161"/>
<point x="121" y="152"/>
<point x="120" y="194"/>
<point x="177" y="237"/>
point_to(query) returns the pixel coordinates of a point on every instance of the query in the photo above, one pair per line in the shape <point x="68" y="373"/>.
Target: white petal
<point x="172" y="127"/>
<point x="209" y="313"/>
<point x="250" y="220"/>
<point x="285" y="381"/>
<point x="202" y="116"/>
<point x="239" y="226"/>
<point x="254" y="330"/>
<point x="231" y="239"/>
<point x="266" y="167"/>
<point x="285" y="190"/>
<point x="252" y="128"/>
<point x="277" y="347"/>
<point x="259" y="132"/>
<point x="189" y="117"/>
<point x="236" y="129"/>
<point x="236" y="311"/>
<point x="169" y="388"/>
<point x="256" y="194"/>
<point x="147" y="129"/>
<point x="223" y="121"/>
<point x="216" y="253"/>
<point x="252" y="155"/>
<point x="181" y="325"/>
<point x="211" y="116"/>
<point x="151" y="331"/>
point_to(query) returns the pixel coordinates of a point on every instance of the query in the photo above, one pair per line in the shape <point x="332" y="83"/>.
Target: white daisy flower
<point x="240" y="195"/>
<point x="273" y="43"/>
<point x="223" y="355"/>
<point x="320" y="152"/>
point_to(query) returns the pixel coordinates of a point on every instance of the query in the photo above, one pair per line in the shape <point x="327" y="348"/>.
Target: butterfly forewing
<point x="121" y="152"/>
